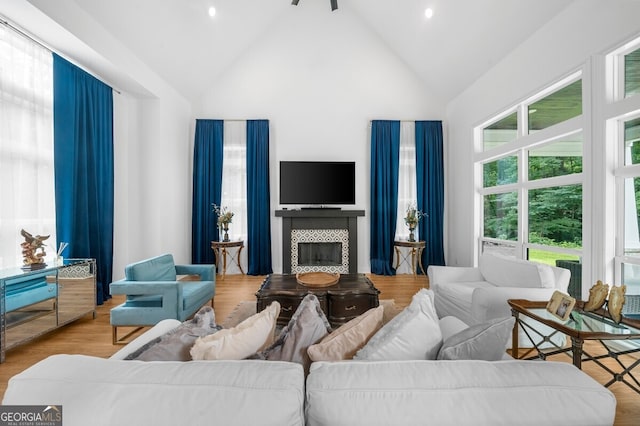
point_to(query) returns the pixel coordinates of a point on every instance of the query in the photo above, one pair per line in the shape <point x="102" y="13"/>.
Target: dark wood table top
<point x="287" y="284"/>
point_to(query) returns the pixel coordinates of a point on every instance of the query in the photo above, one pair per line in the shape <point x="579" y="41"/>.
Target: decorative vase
<point x="225" y="227"/>
<point x="412" y="237"/>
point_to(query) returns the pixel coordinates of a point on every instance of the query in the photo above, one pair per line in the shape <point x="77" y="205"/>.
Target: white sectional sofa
<point x="479" y="294"/>
<point x="113" y="391"/>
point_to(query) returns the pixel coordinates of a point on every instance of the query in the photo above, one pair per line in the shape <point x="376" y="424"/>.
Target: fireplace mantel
<point x="326" y="218"/>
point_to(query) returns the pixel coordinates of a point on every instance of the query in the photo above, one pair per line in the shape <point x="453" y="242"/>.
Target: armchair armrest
<point x="446" y="274"/>
<point x="491" y="303"/>
<point x="206" y="272"/>
<point x="145" y="287"/>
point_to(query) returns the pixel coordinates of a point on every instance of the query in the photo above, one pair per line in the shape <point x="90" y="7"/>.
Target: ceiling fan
<point x="334" y="4"/>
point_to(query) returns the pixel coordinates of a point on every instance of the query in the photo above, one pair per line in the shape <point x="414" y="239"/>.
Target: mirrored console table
<point x="35" y="302"/>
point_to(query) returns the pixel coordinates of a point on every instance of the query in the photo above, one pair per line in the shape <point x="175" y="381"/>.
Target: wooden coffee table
<point x="352" y="296"/>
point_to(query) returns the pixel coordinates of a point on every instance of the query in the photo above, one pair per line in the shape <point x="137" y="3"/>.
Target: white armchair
<point x="476" y="295"/>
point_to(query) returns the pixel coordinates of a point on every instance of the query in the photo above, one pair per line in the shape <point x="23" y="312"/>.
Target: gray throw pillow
<point x="176" y="344"/>
<point x="486" y="341"/>
<point x="307" y="326"/>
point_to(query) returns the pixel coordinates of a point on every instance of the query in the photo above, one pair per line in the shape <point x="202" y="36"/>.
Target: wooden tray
<point x="317" y="279"/>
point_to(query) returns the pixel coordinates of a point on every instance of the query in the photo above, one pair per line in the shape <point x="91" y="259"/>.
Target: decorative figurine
<point x="616" y="302"/>
<point x="33" y="250"/>
<point x="597" y="296"/>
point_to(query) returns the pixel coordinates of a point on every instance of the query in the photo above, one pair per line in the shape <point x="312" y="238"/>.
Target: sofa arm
<point x="447" y="274"/>
<point x="491" y="303"/>
<point x="206" y="272"/>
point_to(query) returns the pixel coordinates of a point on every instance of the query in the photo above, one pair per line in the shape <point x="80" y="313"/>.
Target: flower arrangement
<point x="225" y="217"/>
<point x="412" y="218"/>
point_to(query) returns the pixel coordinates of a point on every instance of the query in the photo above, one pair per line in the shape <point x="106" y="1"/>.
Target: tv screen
<point x="317" y="182"/>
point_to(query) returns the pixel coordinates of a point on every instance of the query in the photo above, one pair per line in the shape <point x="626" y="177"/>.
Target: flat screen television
<point x="317" y="183"/>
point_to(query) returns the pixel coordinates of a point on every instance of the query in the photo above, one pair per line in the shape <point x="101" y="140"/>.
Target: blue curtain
<point x="385" y="157"/>
<point x="83" y="168"/>
<point x="258" y="198"/>
<point x="430" y="175"/>
<point x="207" y="188"/>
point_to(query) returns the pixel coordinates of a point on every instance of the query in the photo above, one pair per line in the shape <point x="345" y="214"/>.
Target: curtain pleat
<point x="258" y="198"/>
<point x="83" y="164"/>
<point x="207" y="188"/>
<point x="430" y="176"/>
<point x="385" y="153"/>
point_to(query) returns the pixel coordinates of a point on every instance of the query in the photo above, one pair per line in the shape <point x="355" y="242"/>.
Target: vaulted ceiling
<point x="179" y="41"/>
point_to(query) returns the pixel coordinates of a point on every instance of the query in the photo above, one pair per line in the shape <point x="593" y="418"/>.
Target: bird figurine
<point x="33" y="251"/>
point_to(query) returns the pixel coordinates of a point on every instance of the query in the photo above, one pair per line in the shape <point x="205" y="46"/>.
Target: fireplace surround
<point x="316" y="227"/>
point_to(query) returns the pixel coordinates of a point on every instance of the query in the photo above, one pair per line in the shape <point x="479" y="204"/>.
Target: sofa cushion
<point x="484" y="341"/>
<point x="307" y="326"/>
<point x="504" y="271"/>
<point x="160" y="268"/>
<point x="250" y="336"/>
<point x="350" y="337"/>
<point x="455" y="393"/>
<point x="106" y="392"/>
<point x="412" y="334"/>
<point x="176" y="344"/>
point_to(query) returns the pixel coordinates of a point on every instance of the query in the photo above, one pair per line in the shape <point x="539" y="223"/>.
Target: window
<point x="26" y="145"/>
<point x="556" y="107"/>
<point x="501" y="132"/>
<point x="632" y="73"/>
<point x="531" y="190"/>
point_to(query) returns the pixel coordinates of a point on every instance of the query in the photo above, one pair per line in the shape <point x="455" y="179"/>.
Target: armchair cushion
<point x="160" y="268"/>
<point x="510" y="272"/>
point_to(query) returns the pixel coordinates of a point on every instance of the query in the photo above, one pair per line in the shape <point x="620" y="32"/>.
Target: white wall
<point x="585" y="28"/>
<point x="319" y="78"/>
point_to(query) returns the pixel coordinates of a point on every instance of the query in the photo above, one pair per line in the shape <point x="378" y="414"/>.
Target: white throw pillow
<point x="504" y="271"/>
<point x="344" y="342"/>
<point x="413" y="334"/>
<point x="250" y="336"/>
<point x="486" y="341"/>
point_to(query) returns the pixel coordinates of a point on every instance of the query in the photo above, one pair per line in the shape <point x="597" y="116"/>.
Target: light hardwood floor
<point x="93" y="337"/>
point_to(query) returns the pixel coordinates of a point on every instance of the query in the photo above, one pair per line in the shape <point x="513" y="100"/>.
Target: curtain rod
<point x="41" y="44"/>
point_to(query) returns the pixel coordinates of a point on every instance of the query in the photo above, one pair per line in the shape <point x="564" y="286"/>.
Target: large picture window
<point x="531" y="188"/>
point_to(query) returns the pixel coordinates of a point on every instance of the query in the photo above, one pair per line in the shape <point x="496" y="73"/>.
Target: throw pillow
<point x="486" y="341"/>
<point x="350" y="337"/>
<point x="250" y="336"/>
<point x="175" y="344"/>
<point x="413" y="334"/>
<point x="307" y="326"/>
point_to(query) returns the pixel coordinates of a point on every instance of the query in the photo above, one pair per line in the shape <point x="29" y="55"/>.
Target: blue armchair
<point x="153" y="293"/>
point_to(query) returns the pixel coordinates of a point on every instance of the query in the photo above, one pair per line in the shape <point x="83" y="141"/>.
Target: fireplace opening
<point x="320" y="254"/>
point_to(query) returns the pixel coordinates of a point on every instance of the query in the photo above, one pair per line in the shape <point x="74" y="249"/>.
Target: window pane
<point x="500" y="132"/>
<point x="500" y="172"/>
<point x="560" y="158"/>
<point x="501" y="216"/>
<point x="499" y="248"/>
<point x="632" y="141"/>
<point x="631" y="278"/>
<point x="562" y="260"/>
<point x="555" y="216"/>
<point x="631" y="218"/>
<point x="559" y="106"/>
<point x="632" y="73"/>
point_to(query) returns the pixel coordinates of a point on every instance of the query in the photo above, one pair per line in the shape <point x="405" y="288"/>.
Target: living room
<point x="320" y="77"/>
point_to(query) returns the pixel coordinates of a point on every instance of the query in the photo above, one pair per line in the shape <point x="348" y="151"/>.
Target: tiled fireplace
<point x="323" y="240"/>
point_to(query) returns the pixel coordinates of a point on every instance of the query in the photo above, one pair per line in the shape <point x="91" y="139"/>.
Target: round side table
<point x="220" y="250"/>
<point x="417" y="247"/>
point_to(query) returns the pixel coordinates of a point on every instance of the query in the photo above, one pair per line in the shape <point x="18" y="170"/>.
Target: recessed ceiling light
<point x="212" y="11"/>
<point x="428" y="13"/>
